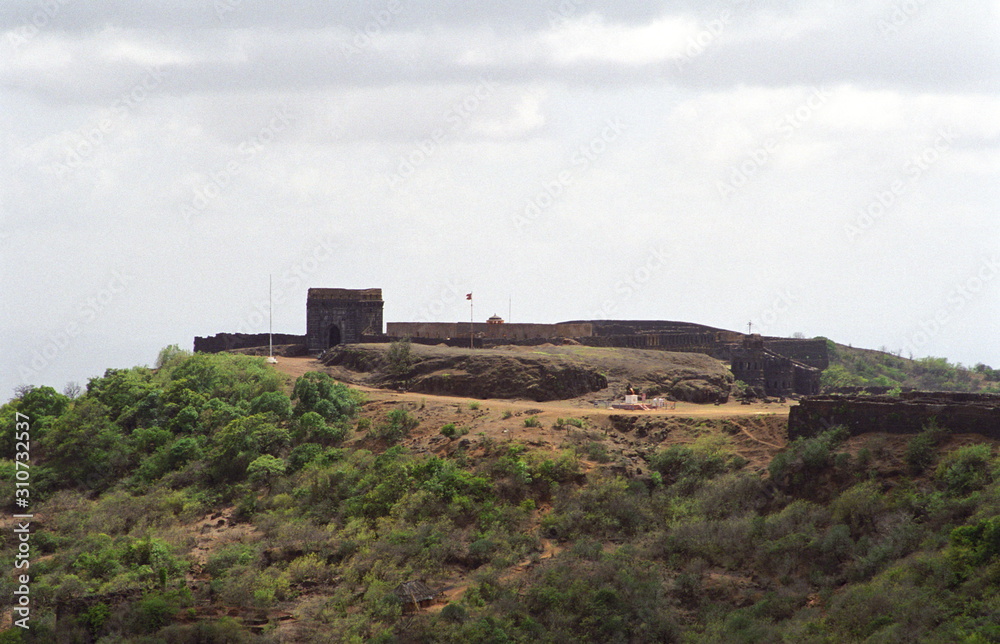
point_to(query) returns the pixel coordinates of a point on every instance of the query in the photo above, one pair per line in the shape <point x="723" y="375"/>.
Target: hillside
<point x="855" y="367"/>
<point x="216" y="499"/>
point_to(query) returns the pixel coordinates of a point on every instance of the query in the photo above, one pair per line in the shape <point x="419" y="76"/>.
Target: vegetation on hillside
<point x="326" y="515"/>
<point x="851" y="367"/>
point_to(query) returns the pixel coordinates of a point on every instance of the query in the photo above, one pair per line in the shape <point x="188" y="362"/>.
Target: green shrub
<point x="978" y="544"/>
<point x="604" y="507"/>
<point x="273" y="402"/>
<point x="302" y="455"/>
<point x="398" y="424"/>
<point x="453" y="612"/>
<point x="532" y="421"/>
<point x="965" y="470"/>
<point x="615" y="599"/>
<point x="473" y="405"/>
<point x="689" y="466"/>
<point x="802" y="466"/>
<point x="859" y="508"/>
<point x="733" y="494"/>
<point x="597" y="452"/>
<point x="400" y="357"/>
<point x="152" y="612"/>
<point x="506" y="414"/>
<point x="318" y="392"/>
<point x="263" y="470"/>
<point x="308" y="567"/>
<point x="236" y="554"/>
<point x="562" y="469"/>
<point x="920" y="450"/>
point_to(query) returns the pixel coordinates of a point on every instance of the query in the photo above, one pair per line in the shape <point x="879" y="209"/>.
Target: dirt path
<point x="295" y="367"/>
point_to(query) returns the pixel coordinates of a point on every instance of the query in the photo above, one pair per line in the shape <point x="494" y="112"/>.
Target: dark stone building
<point x="770" y="373"/>
<point x="341" y="315"/>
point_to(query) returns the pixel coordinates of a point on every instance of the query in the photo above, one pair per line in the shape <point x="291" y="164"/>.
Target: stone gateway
<point x="341" y="316"/>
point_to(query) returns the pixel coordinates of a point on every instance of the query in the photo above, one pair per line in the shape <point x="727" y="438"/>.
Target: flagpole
<point x="472" y="323"/>
<point x="270" y="322"/>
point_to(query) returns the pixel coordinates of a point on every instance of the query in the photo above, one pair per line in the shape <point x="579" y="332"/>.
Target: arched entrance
<point x="334" y="335"/>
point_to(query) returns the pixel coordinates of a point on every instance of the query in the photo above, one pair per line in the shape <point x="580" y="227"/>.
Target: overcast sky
<point x="814" y="167"/>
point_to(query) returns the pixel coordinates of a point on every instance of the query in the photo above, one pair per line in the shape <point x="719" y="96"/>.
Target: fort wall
<point x="907" y="413"/>
<point x="519" y="331"/>
<point x="812" y="352"/>
<point x="230" y="341"/>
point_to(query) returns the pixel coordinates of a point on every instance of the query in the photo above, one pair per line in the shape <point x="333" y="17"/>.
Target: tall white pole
<point x="270" y="321"/>
<point x="472" y="322"/>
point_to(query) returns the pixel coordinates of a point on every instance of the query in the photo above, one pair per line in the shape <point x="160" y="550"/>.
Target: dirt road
<point x="295" y="367"/>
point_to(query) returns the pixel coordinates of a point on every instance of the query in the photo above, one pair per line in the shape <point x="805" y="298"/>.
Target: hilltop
<point x="544" y="372"/>
<point x="218" y="499"/>
<point x="853" y="367"/>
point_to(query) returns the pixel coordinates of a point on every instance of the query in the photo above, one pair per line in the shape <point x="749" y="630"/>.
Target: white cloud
<point x="589" y="39"/>
<point x="513" y="98"/>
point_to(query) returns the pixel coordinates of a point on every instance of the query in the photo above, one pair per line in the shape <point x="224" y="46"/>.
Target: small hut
<point x="415" y="595"/>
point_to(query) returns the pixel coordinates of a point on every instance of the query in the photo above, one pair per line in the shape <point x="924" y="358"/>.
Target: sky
<point x="811" y="167"/>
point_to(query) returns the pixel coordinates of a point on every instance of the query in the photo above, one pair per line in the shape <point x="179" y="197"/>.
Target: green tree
<point x="399" y="357"/>
<point x="318" y="392"/>
<point x="242" y="441"/>
<point x="263" y="470"/>
<point x="84" y="447"/>
<point x="273" y="402"/>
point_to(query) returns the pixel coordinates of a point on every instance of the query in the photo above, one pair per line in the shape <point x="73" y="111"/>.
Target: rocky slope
<point x="535" y="373"/>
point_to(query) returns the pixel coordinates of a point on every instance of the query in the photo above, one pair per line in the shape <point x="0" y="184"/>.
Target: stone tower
<point x="749" y="363"/>
<point x="341" y="315"/>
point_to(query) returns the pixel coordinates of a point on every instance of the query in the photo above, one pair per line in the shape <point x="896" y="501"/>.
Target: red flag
<point x="468" y="296"/>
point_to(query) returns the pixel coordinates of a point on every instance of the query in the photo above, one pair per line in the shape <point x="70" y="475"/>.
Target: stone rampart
<point x="230" y="341"/>
<point x="907" y="413"/>
<point x="509" y="331"/>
